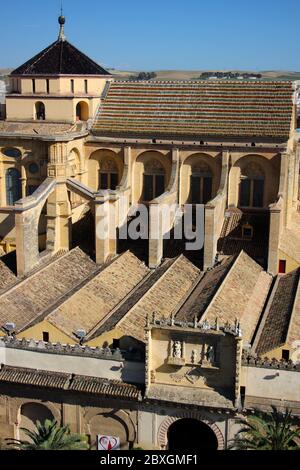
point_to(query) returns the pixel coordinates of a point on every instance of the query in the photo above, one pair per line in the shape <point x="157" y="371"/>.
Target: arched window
<point x="40" y="113"/>
<point x="201" y="184"/>
<point x="82" y="111"/>
<point x="108" y="175"/>
<point x="252" y="186"/>
<point x="13" y="186"/>
<point x="154" y="180"/>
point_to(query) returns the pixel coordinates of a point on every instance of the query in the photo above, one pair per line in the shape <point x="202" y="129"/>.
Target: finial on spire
<point x="61" y="21"/>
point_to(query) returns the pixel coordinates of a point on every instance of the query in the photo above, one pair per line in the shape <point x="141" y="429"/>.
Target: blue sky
<point x="159" y="34"/>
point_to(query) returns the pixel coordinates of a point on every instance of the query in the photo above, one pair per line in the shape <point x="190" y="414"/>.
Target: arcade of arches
<point x="250" y="181"/>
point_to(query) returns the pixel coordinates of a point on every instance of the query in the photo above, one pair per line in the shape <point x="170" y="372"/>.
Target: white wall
<point x="271" y="383"/>
<point x="127" y="371"/>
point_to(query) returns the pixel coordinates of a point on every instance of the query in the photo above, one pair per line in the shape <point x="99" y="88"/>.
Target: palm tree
<point x="50" y="436"/>
<point x="267" y="431"/>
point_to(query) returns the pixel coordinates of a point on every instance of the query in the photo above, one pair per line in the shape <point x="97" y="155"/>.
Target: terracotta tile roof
<point x="27" y="300"/>
<point x="290" y="237"/>
<point x="197" y="109"/>
<point x="99" y="386"/>
<point x="116" y="315"/>
<point x="93" y="302"/>
<point x="162" y="298"/>
<point x="203" y="293"/>
<point x="242" y="295"/>
<point x="7" y="277"/>
<point x="72" y="383"/>
<point x="274" y="331"/>
<point x="60" y="58"/>
<point x="33" y="377"/>
<point x="294" y="327"/>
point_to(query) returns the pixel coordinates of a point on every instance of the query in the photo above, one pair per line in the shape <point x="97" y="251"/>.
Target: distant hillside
<point x="5" y="71"/>
<point x="195" y="74"/>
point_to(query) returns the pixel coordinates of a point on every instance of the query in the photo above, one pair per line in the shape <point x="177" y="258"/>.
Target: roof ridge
<point x="38" y="57"/>
<point x="60" y="58"/>
<point x="211" y="82"/>
<point x="137" y="290"/>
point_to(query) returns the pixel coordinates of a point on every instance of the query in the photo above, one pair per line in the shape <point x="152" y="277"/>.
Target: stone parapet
<point x="264" y="362"/>
<point x="67" y="349"/>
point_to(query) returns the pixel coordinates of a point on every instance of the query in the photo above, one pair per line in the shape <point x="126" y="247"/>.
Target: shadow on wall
<point x="10" y="260"/>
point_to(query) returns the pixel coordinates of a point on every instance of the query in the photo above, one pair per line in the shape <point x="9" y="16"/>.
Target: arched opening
<point x="74" y="164"/>
<point x="82" y="111"/>
<point x="109" y="425"/>
<point x="13" y="186"/>
<point x="42" y="229"/>
<point x="252" y="186"/>
<point x="105" y="169"/>
<point x="40" y="112"/>
<point x="191" y="435"/>
<point x="200" y="176"/>
<point x="153" y="180"/>
<point x="201" y="184"/>
<point x="30" y="413"/>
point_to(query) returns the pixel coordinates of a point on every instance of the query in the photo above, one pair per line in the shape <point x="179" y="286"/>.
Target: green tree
<point x="50" y="436"/>
<point x="267" y="431"/>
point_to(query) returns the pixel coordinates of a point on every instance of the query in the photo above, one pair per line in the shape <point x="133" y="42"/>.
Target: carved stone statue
<point x="210" y="354"/>
<point x="194" y="356"/>
<point x="177" y="349"/>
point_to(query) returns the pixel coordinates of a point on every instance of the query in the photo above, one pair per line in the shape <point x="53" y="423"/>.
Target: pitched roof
<point x="195" y="110"/>
<point x="74" y="383"/>
<point x="7" y="277"/>
<point x="60" y="58"/>
<point x="28" y="299"/>
<point x="42" y="379"/>
<point x="94" y="301"/>
<point x="278" y="315"/>
<point x="162" y="298"/>
<point x="100" y="386"/>
<point x="242" y="295"/>
<point x="203" y="293"/>
<point x="120" y="311"/>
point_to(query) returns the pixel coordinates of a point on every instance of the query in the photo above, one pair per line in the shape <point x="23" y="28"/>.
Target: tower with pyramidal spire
<point x="59" y="84"/>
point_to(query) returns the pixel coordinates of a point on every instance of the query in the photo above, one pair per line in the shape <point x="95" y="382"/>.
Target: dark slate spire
<point x="60" y="58"/>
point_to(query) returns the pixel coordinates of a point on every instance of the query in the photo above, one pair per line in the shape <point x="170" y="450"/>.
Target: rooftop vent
<point x="81" y="334"/>
<point x="10" y="327"/>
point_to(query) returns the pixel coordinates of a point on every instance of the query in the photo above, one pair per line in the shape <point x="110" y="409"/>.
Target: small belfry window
<point x="33" y="86"/>
<point x="154" y="180"/>
<point x="82" y="111"/>
<point x="108" y="175"/>
<point x="201" y="184"/>
<point x="252" y="186"/>
<point x="72" y="86"/>
<point x="86" y="88"/>
<point x="40" y="113"/>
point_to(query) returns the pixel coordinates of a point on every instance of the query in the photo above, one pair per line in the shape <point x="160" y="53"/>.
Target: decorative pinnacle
<point x="62" y="22"/>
